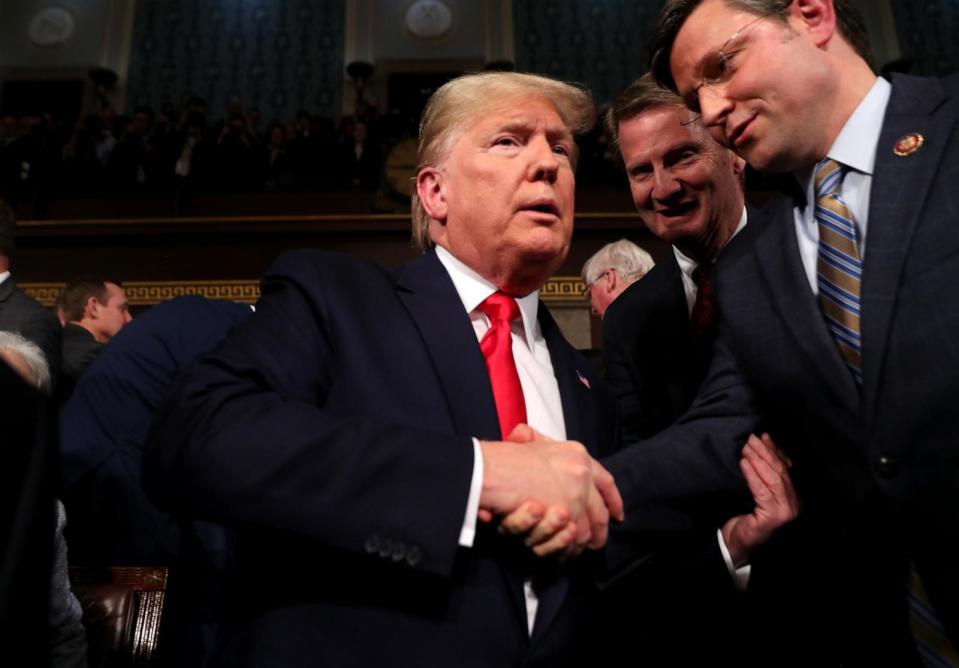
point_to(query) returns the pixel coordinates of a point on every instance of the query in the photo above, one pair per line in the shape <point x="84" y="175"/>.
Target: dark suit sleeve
<point x="274" y="430"/>
<point x="37" y="324"/>
<point x="618" y="337"/>
<point x="689" y="473"/>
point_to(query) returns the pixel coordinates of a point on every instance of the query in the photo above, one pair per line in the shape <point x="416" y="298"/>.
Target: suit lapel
<point x="6" y="290"/>
<point x="428" y="294"/>
<point x="777" y="253"/>
<point x="899" y="186"/>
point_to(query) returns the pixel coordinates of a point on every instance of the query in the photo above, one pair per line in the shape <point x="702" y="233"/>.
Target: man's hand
<point x="552" y="491"/>
<point x="766" y="470"/>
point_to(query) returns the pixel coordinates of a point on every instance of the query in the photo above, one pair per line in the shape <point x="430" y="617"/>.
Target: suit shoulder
<point x="326" y="270"/>
<point x="312" y="261"/>
<point x="657" y="286"/>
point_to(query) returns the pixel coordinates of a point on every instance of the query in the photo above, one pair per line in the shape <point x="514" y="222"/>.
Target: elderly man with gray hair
<point x="612" y="269"/>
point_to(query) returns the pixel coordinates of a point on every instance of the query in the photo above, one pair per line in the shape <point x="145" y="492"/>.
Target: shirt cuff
<point x="468" y="531"/>
<point x="739" y="575"/>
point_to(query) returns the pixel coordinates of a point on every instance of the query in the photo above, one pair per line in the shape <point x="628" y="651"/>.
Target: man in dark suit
<point x="94" y="309"/>
<point x="688" y="191"/>
<point x="19" y="312"/>
<point x="352" y="430"/>
<point x="861" y="399"/>
<point x="103" y="428"/>
<point x="657" y="340"/>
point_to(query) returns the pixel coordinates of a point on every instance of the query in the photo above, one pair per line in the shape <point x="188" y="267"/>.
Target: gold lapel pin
<point x="908" y="144"/>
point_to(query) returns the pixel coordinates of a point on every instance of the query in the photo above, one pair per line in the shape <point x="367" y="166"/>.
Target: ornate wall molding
<point x="567" y="290"/>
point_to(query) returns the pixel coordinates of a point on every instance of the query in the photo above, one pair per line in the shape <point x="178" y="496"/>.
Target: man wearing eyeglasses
<point x="610" y="270"/>
<point x="841" y="320"/>
<point x="657" y="342"/>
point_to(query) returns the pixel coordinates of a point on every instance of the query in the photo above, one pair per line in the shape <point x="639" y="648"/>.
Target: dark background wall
<point x="279" y="55"/>
<point x="602" y="43"/>
<point x="929" y="34"/>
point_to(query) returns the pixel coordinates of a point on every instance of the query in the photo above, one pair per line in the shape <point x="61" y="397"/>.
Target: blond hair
<point x="470" y="96"/>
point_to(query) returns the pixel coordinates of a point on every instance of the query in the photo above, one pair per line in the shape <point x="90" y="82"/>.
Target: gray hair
<point x="471" y="96"/>
<point x="629" y="260"/>
<point x="32" y="357"/>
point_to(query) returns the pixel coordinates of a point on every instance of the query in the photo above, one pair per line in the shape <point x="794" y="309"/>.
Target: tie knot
<point x="499" y="306"/>
<point x="702" y="273"/>
<point x="828" y="177"/>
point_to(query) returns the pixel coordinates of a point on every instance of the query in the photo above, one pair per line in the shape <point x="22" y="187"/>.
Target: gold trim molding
<point x="558" y="290"/>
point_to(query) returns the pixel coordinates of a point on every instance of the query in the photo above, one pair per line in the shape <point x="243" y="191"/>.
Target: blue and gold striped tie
<point x="935" y="650"/>
<point x="839" y="267"/>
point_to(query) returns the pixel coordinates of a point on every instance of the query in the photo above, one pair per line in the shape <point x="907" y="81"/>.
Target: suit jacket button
<point x="413" y="555"/>
<point x="386" y="547"/>
<point x="887" y="466"/>
<point x="372" y="544"/>
<point x="399" y="551"/>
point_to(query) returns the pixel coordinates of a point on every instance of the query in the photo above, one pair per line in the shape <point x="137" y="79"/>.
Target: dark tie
<point x="702" y="319"/>
<point x="839" y="267"/>
<point x="497" y="347"/>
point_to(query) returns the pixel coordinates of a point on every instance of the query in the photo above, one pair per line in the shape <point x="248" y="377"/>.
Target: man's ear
<point x="817" y="18"/>
<point x="92" y="308"/>
<point x="430" y="188"/>
<point x="610" y="280"/>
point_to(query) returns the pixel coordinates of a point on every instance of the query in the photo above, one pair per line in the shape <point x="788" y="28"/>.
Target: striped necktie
<point x="839" y="266"/>
<point x="935" y="650"/>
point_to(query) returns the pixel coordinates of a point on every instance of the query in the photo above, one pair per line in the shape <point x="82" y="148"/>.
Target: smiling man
<point x="688" y="190"/>
<point x="353" y="430"/>
<point x="840" y="321"/>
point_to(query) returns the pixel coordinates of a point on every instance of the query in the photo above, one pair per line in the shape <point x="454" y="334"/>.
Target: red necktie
<point x="702" y="319"/>
<point x="497" y="347"/>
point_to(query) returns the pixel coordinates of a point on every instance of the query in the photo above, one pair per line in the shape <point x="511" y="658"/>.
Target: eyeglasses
<point x="589" y="286"/>
<point x="717" y="69"/>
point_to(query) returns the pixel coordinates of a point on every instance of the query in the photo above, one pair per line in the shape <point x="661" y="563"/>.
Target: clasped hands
<point x="551" y="492"/>
<point x="560" y="499"/>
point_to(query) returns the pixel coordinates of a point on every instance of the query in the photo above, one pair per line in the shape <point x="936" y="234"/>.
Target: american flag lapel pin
<point x="583" y="379"/>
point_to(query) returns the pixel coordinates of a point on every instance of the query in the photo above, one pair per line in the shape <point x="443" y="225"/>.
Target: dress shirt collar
<point x="855" y="147"/>
<point x="4" y="276"/>
<point x="688" y="264"/>
<point x="473" y="289"/>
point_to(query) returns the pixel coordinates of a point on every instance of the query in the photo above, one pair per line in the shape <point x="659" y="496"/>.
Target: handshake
<point x="553" y="492"/>
<point x="561" y="499"/>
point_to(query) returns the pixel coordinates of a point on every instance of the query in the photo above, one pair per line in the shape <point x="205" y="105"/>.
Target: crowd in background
<point x="191" y="151"/>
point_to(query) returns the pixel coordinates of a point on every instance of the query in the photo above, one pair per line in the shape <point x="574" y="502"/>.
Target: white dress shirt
<point x="544" y="407"/>
<point x="855" y="148"/>
<point x="687" y="265"/>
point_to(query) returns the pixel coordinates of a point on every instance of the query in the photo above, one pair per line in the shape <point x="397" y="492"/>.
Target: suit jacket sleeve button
<point x="386" y="547"/>
<point x="399" y="551"/>
<point x="887" y="466"/>
<point x="413" y="555"/>
<point x="372" y="544"/>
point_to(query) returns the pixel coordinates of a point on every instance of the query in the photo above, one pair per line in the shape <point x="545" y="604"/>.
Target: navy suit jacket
<point x="878" y="469"/>
<point x="334" y="431"/>
<point x="653" y="364"/>
<point x="22" y="314"/>
<point x="103" y="428"/>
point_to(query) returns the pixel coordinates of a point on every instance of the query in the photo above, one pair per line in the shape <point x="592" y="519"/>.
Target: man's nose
<point x="714" y="107"/>
<point x="544" y="161"/>
<point x="665" y="184"/>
